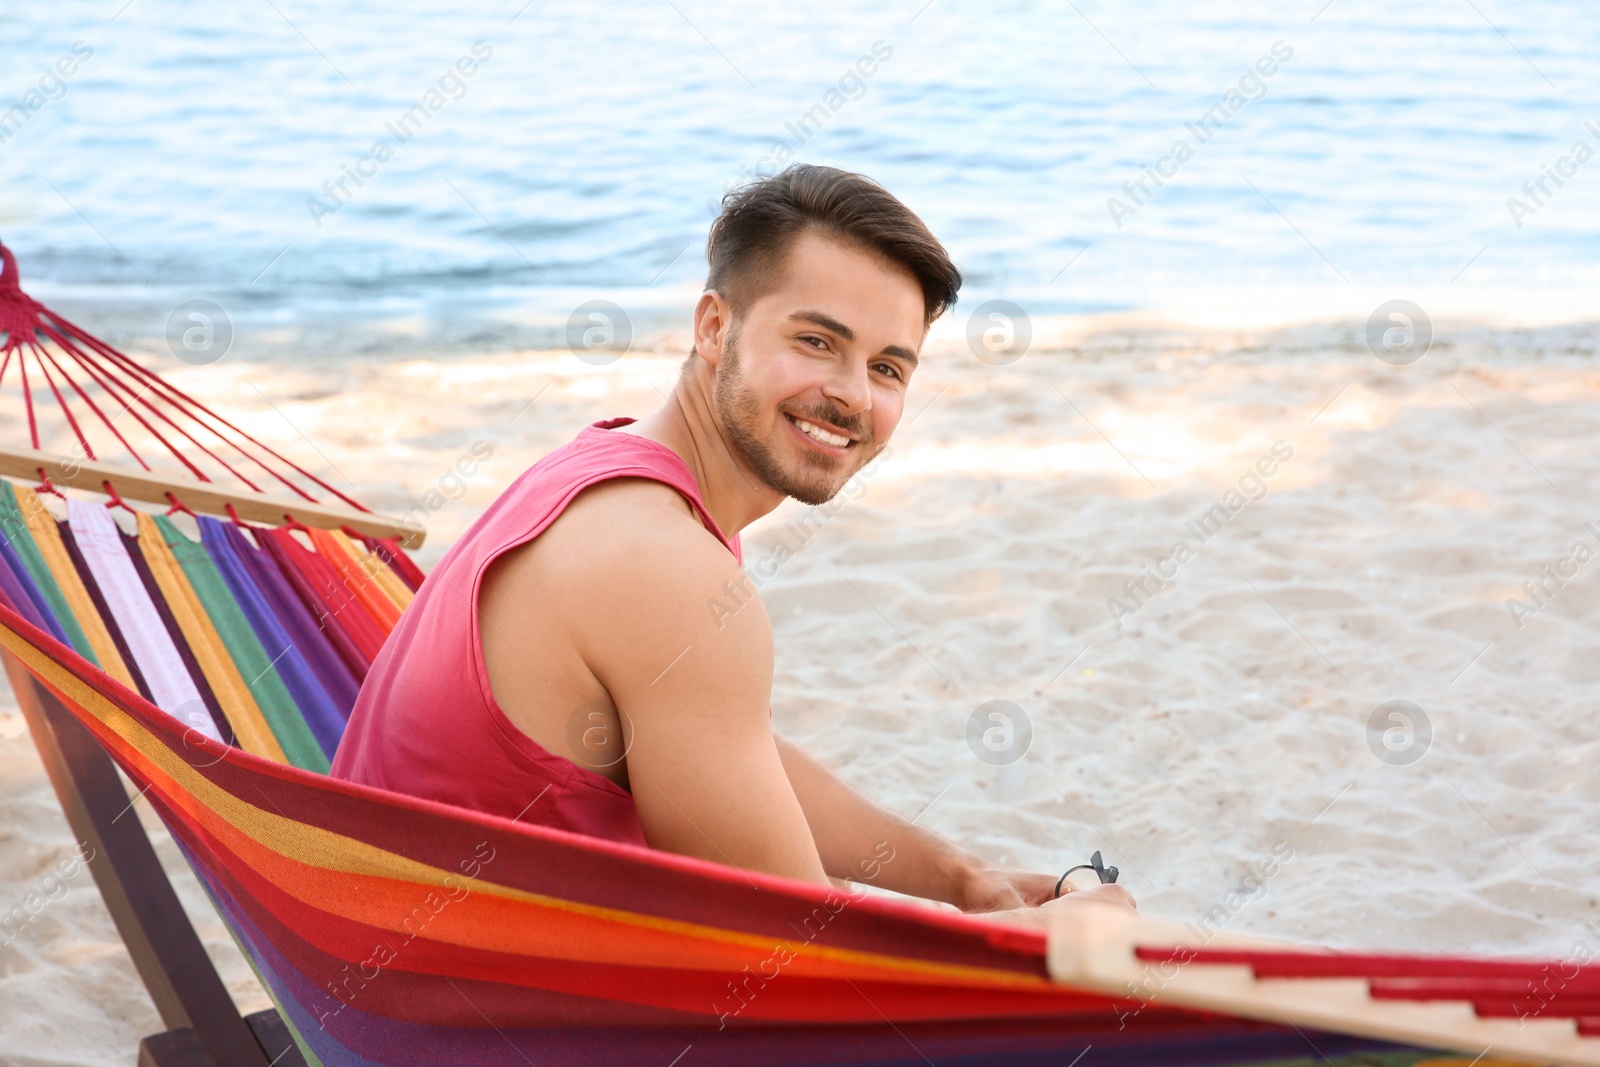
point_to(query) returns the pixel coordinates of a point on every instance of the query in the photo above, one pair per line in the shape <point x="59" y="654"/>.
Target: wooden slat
<point x="275" y="1039"/>
<point x="1095" y="948"/>
<point x="175" y="1048"/>
<point x="201" y="496"/>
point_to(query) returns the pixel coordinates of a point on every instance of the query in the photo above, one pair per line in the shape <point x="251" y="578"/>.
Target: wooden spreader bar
<point x="22" y="463"/>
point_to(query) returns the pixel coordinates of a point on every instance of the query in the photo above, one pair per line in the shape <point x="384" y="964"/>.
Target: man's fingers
<point x="1110" y="893"/>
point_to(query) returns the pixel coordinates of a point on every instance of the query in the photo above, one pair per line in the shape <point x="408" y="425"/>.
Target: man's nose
<point x="847" y="386"/>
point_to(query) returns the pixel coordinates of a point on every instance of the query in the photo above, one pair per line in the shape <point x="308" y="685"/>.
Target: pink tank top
<point x="425" y="722"/>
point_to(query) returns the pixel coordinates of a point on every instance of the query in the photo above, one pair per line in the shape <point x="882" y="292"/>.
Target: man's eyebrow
<point x="834" y="325"/>
<point x="826" y="322"/>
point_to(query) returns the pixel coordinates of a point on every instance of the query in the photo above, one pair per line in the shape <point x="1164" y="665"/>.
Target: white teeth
<point x="822" y="435"/>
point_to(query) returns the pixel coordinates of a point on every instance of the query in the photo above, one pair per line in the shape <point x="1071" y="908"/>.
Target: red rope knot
<point x="115" y="501"/>
<point x="177" y="505"/>
<point x="45" y="486"/>
<point x="18" y="321"/>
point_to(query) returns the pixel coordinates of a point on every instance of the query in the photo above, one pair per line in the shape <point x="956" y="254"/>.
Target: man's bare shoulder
<point x="619" y="500"/>
<point x="628" y="523"/>
<point x="630" y="543"/>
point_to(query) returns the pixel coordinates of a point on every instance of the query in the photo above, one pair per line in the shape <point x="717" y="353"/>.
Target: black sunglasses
<point x="1106" y="874"/>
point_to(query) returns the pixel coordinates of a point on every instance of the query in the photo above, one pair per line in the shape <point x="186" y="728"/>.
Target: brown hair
<point x="759" y="221"/>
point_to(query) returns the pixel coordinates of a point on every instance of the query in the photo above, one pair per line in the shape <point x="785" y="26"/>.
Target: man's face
<point x="812" y="377"/>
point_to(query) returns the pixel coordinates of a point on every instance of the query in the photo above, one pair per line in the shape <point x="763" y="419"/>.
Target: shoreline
<point x="656" y="321"/>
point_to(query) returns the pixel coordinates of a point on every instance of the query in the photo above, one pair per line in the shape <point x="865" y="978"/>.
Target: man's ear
<point x="713" y="318"/>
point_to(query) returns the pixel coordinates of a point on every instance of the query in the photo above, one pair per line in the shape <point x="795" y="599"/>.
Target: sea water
<point x="506" y="162"/>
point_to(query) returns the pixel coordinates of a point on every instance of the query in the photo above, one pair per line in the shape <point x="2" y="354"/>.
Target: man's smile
<point x="821" y="436"/>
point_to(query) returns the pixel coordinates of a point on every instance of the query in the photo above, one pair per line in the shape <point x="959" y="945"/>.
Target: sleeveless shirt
<point x="425" y="722"/>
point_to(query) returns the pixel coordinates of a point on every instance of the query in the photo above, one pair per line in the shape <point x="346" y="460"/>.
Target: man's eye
<point x="894" y="370"/>
<point x="820" y="342"/>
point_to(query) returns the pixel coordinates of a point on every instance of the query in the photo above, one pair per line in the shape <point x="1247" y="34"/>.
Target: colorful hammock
<point x="390" y="930"/>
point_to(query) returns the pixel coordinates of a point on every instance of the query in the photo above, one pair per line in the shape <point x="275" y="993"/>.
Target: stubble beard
<point x="819" y="478"/>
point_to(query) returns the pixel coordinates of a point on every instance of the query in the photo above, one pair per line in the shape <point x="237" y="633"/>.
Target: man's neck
<point x="687" y="424"/>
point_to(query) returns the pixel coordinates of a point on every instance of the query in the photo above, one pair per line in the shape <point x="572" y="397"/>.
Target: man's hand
<point x="858" y="840"/>
<point x="1098" y="899"/>
<point x="995" y="888"/>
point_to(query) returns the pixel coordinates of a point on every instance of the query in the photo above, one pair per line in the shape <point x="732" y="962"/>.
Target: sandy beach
<point x="1190" y="727"/>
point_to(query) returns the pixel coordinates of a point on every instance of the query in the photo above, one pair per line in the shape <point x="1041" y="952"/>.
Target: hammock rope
<point x="163" y="410"/>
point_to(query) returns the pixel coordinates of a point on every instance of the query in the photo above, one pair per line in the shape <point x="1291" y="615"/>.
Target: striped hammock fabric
<point x="392" y="930"/>
<point x="262" y="644"/>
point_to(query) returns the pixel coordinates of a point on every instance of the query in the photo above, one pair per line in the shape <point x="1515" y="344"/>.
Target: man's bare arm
<point x="695" y="687"/>
<point x="858" y="840"/>
<point x="708" y="777"/>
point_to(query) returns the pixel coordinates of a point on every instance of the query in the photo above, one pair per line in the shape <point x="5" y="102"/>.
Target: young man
<point x="561" y="665"/>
